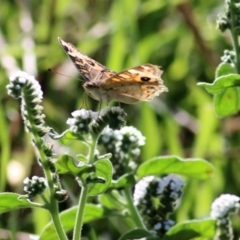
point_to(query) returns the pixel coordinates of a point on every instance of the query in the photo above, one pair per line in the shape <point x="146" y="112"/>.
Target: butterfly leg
<point x="99" y="108"/>
<point x="84" y="101"/>
<point x="119" y="103"/>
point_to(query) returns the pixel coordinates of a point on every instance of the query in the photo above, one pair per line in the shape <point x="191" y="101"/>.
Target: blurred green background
<point x="180" y="36"/>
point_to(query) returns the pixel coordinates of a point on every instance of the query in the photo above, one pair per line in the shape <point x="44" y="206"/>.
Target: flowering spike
<point x="156" y="198"/>
<point x="221" y="208"/>
<point x="34" y="186"/>
<point x="28" y="89"/>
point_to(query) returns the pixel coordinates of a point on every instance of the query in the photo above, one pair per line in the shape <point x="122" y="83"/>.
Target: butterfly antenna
<point x="54" y="71"/>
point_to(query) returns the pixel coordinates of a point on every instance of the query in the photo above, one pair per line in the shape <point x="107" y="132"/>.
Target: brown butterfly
<point x="141" y="83"/>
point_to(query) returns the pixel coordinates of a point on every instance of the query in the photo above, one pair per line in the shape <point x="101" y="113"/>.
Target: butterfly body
<point x="141" y="83"/>
<point x="106" y="95"/>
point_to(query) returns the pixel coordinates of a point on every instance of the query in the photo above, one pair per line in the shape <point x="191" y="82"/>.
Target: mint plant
<point x="142" y="195"/>
<point x="110" y="175"/>
<point x="225" y="88"/>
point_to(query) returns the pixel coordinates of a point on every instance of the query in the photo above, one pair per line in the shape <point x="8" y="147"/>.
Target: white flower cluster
<point x="172" y="182"/>
<point x="156" y="199"/>
<point x="84" y="114"/>
<point x="34" y="186"/>
<point x="224" y="205"/>
<point x="141" y="188"/>
<point x="166" y="225"/>
<point x="111" y="138"/>
<point x="175" y="184"/>
<point x="133" y="134"/>
<point x="26" y="87"/>
<point x="20" y="79"/>
<point x="115" y="138"/>
<point x="105" y="110"/>
<point x="85" y="121"/>
<point x="81" y="120"/>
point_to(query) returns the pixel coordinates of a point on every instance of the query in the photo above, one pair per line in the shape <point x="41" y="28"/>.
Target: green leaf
<point x="135" y="234"/>
<point x="81" y="158"/>
<point x="98" y="175"/>
<point x="12" y="201"/>
<point x="91" y="213"/>
<point x="190" y="167"/>
<point x="221" y="83"/>
<point x="227" y="102"/>
<point x="103" y="169"/>
<point x="105" y="156"/>
<point x="224" y="69"/>
<point x="66" y="137"/>
<point x="124" y="181"/>
<point x="192" y="229"/>
<point x="67" y="164"/>
<point x="226" y="91"/>
<point x="108" y="200"/>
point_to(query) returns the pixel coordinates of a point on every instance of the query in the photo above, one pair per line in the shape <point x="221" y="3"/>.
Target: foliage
<point x="181" y="127"/>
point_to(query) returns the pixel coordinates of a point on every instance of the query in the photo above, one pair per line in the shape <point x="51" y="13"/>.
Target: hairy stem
<point x="234" y="25"/>
<point x="132" y="209"/>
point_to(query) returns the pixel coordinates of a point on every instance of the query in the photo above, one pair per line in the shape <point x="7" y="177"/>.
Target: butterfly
<point x="141" y="83"/>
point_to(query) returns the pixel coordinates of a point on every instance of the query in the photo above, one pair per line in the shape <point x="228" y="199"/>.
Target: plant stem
<point x="53" y="204"/>
<point x="132" y="209"/>
<point x="83" y="196"/>
<point x="235" y="35"/>
<point x="79" y="217"/>
<point x="92" y="150"/>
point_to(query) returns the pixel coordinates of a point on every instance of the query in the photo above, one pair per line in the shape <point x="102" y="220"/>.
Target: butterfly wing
<point x="90" y="69"/>
<point x="141" y="83"/>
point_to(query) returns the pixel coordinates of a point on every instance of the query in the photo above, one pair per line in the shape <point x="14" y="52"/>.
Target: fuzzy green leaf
<point x="91" y="213"/>
<point x="81" y="158"/>
<point x="190" y="167"/>
<point x="103" y="169"/>
<point x="67" y="164"/>
<point x="192" y="229"/>
<point x="224" y="69"/>
<point x="227" y="102"/>
<point x="110" y="200"/>
<point x="12" y="201"/>
<point x="221" y="83"/>
<point x="105" y="156"/>
<point x="124" y="181"/>
<point x="136" y="234"/>
<point x="66" y="137"/>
